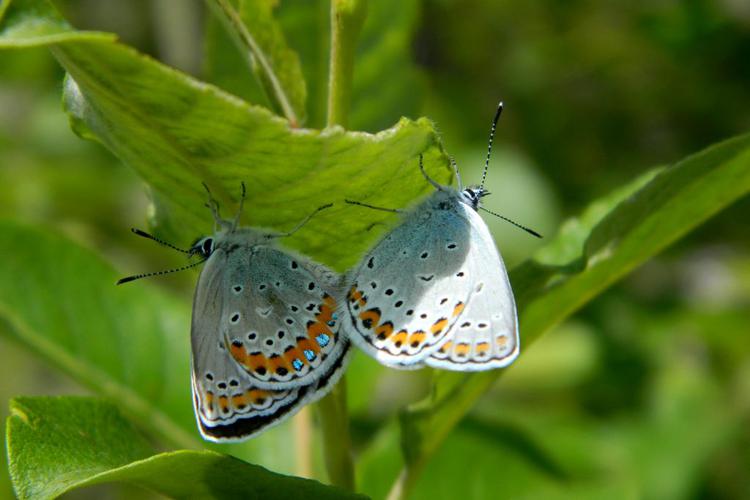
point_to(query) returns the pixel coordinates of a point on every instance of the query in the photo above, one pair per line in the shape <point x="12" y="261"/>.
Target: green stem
<point x="337" y="442"/>
<point x="347" y="18"/>
<point x="269" y="80"/>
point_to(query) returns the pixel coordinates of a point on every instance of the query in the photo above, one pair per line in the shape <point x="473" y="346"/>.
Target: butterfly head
<point x="473" y="195"/>
<point x="203" y="246"/>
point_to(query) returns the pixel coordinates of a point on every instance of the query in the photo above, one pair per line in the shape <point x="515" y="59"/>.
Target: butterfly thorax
<point x="229" y="240"/>
<point x="449" y="198"/>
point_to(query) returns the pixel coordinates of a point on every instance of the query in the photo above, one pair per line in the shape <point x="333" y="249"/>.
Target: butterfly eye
<point x="203" y="246"/>
<point x="207" y="247"/>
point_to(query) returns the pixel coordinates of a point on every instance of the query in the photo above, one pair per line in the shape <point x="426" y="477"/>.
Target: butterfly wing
<point x="228" y="403"/>
<point x="278" y="319"/>
<point x="486" y="336"/>
<point x="224" y="417"/>
<point x="412" y="287"/>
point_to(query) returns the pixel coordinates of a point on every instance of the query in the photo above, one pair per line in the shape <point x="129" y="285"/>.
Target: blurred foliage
<point x="645" y="393"/>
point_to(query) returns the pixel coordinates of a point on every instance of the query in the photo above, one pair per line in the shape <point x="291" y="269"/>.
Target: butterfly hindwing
<point x="276" y="317"/>
<point x="410" y="289"/>
<point x="229" y="403"/>
<point x="486" y="336"/>
<point x="234" y="416"/>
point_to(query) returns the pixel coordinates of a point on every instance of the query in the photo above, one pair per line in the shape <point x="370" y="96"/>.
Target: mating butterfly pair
<point x="270" y="330"/>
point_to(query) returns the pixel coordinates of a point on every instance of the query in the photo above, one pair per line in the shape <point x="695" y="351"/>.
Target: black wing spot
<point x="234" y="382"/>
<point x="281" y="371"/>
<point x="410" y="312"/>
<point x="451" y="246"/>
<point x="424" y="255"/>
<point x="252" y="336"/>
<point x="289" y="321"/>
<point x="209" y="376"/>
<point x="466" y="324"/>
<point x="280" y="334"/>
<point x="294" y="308"/>
<point x="389" y="291"/>
<point x="460" y="274"/>
<point x="398" y="303"/>
<point x="261" y="370"/>
<point x="262" y="286"/>
<point x="221" y="385"/>
<point x="445" y="299"/>
<point x="423" y="315"/>
<point x="311" y="286"/>
<point x="374" y="285"/>
<point x="370" y="263"/>
<point x="294" y="265"/>
<point x="269" y="342"/>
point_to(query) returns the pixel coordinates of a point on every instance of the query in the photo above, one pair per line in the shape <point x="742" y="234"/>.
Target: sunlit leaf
<point x="177" y="132"/>
<point x="59" y="444"/>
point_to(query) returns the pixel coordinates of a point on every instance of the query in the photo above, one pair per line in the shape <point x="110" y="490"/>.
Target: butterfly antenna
<point x="530" y="231"/>
<point x="302" y="223"/>
<point x="154" y="238"/>
<point x="489" y="145"/>
<point x="242" y="204"/>
<point x="158" y="273"/>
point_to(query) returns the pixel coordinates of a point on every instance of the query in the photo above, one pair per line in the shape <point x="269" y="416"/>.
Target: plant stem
<point x="337" y="443"/>
<point x="347" y="18"/>
<point x="274" y="88"/>
<point x="303" y="443"/>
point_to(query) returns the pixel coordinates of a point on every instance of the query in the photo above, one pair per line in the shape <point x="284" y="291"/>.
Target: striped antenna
<point x="489" y="145"/>
<point x="158" y="273"/>
<point x="161" y="242"/>
<point x="530" y="231"/>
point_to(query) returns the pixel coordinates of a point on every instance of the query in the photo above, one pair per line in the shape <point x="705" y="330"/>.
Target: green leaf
<point x="60" y="300"/>
<point x="611" y="238"/>
<point x="129" y="344"/>
<point x="177" y="132"/>
<point x="260" y="40"/>
<point x="59" y="444"/>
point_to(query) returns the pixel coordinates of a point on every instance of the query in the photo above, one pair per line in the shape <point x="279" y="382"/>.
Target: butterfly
<point x="265" y="332"/>
<point x="434" y="291"/>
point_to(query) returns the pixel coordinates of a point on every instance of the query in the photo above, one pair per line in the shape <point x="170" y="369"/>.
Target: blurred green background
<point x="646" y="391"/>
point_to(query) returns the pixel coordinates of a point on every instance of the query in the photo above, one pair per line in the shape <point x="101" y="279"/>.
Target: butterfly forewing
<point x="413" y="286"/>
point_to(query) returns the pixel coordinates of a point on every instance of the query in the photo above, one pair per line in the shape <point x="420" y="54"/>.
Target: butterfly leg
<point x="302" y="223"/>
<point x="429" y="179"/>
<point x="359" y="203"/>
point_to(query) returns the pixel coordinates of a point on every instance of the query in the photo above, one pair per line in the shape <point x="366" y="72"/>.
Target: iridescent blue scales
<point x="265" y="334"/>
